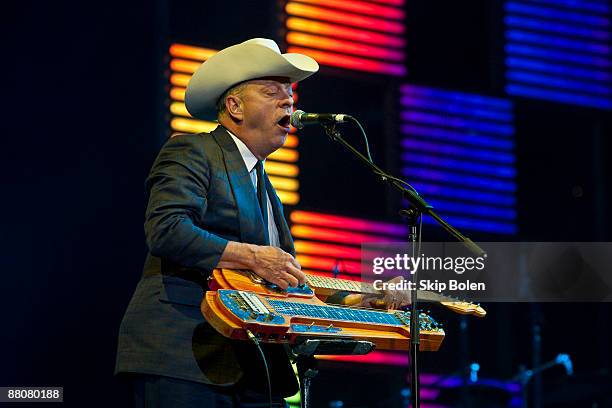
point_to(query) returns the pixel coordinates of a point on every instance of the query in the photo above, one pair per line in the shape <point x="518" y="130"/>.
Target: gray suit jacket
<point x="200" y="196"/>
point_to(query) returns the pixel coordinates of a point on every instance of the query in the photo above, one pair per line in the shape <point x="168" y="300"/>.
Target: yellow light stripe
<point x="181" y="65"/>
<point x="288" y="197"/>
<point x="192" y="125"/>
<point x="179" y="109"/>
<point x="188" y="51"/>
<point x="285" y="155"/>
<point x="178" y="94"/>
<point x="180" y="79"/>
<point x="292" y="141"/>
<point x="283" y="183"/>
<point x="281" y="169"/>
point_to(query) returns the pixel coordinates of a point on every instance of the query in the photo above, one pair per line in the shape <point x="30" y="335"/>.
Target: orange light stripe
<point x="181" y="65"/>
<point x="355" y="63"/>
<point x="288" y="197"/>
<point x="347" y="47"/>
<point x="281" y="169"/>
<point x="376" y="24"/>
<point x="336" y="251"/>
<point x="192" y="125"/>
<point x="180" y="79"/>
<point x="292" y="141"/>
<point x="328" y="264"/>
<point x="285" y="155"/>
<point x="188" y="51"/>
<point x="336" y="221"/>
<point x="330" y="235"/>
<point x="360" y="7"/>
<point x="179" y="109"/>
<point x="317" y="27"/>
<point x="178" y="94"/>
<point x="283" y="183"/>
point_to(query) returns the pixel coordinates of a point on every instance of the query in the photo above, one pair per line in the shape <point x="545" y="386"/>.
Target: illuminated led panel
<point x="559" y="51"/>
<point x="324" y="242"/>
<point x="364" y="35"/>
<point x="281" y="165"/>
<point x="458" y="152"/>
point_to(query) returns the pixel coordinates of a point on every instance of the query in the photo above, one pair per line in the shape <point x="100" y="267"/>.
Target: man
<point x="212" y="205"/>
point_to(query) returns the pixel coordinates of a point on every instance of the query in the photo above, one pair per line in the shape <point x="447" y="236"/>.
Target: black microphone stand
<point x="418" y="207"/>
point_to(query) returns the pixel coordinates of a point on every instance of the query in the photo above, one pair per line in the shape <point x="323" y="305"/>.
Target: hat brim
<point x="237" y="64"/>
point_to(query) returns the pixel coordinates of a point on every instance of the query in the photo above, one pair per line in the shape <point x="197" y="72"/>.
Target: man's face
<point x="266" y="107"/>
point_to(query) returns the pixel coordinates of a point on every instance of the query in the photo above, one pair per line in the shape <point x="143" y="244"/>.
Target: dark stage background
<point x="84" y="117"/>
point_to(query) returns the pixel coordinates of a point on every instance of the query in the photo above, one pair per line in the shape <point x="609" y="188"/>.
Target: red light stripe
<point x="324" y="234"/>
<point x="347" y="47"/>
<point x="355" y="63"/>
<point x="377" y="24"/>
<point x="375" y="357"/>
<point x="360" y="7"/>
<point x="357" y="224"/>
<point x="328" y="264"/>
<point x="336" y="251"/>
<point x="333" y="30"/>
<point x="390" y="2"/>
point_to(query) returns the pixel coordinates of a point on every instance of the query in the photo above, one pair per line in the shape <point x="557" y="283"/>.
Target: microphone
<point x="299" y="118"/>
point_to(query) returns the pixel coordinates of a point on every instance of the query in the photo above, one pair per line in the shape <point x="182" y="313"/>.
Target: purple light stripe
<point x="563" y="29"/>
<point x="463" y="194"/>
<point x="467" y="138"/>
<point x="455" y="122"/>
<point x="458" y="165"/>
<point x="580" y="5"/>
<point x="455" y="108"/>
<point x="545" y="12"/>
<point x="435" y="93"/>
<point x="558" y="96"/>
<point x="485" y="155"/>
<point x="550" y="67"/>
<point x="483" y="211"/>
<point x="461" y="180"/>
<point x="550" y="54"/>
<point x="476" y="225"/>
<point x="552" y="82"/>
<point x="556" y="41"/>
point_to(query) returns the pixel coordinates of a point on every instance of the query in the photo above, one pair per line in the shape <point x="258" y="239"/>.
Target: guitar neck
<point x="335" y="284"/>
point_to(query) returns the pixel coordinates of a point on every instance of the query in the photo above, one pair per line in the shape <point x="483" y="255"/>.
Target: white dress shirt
<point x="250" y="161"/>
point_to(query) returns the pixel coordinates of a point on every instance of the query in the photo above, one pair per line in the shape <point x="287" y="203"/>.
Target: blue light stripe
<point x="563" y="29"/>
<point x="485" y="155"/>
<point x="571" y="17"/>
<point x="458" y="123"/>
<point x="456" y="108"/>
<point x="552" y="82"/>
<point x="435" y="190"/>
<point x="462" y="180"/>
<point x="551" y="67"/>
<point x="571" y="98"/>
<point x="459" y="165"/>
<point x="466" y="223"/>
<point x="489" y="102"/>
<point x="581" y="5"/>
<point x="554" y="55"/>
<point x="484" y="211"/>
<point x="556" y="41"/>
<point x="467" y="138"/>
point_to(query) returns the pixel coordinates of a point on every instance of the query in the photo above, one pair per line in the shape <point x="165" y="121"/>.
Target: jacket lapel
<point x="249" y="215"/>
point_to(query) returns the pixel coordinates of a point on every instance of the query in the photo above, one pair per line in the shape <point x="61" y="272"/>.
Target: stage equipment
<point x="299" y="118"/>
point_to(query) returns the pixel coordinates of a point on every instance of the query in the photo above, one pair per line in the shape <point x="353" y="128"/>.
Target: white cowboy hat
<point x="255" y="58"/>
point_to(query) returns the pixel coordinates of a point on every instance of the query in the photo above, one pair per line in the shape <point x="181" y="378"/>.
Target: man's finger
<point x="297" y="273"/>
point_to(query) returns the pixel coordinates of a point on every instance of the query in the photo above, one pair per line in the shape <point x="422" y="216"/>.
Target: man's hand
<point x="391" y="299"/>
<point x="278" y="267"/>
<point x="271" y="263"/>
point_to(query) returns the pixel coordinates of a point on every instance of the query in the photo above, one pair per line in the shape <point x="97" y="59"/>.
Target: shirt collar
<point x="249" y="158"/>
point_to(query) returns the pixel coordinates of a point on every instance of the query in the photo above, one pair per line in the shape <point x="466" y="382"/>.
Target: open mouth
<point x="285" y="122"/>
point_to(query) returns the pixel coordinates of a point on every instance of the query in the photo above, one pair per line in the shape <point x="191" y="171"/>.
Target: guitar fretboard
<point x="340" y="284"/>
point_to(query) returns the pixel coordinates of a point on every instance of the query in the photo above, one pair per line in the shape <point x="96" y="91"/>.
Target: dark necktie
<point x="261" y="197"/>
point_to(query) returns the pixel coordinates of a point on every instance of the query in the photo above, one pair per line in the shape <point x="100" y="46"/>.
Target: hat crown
<point x="265" y="42"/>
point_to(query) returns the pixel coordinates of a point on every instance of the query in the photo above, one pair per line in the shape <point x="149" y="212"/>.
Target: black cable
<point x="263" y="357"/>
